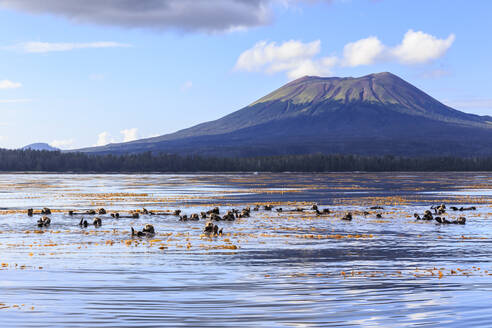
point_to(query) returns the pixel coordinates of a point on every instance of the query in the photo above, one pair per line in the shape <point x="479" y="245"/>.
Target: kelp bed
<point x="286" y="259"/>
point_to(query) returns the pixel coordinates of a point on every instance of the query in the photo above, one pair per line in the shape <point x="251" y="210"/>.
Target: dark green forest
<point x="55" y="161"/>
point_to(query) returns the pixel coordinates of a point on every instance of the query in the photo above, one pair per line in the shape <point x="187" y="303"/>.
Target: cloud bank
<point x="62" y="144"/>
<point x="129" y="134"/>
<point x="185" y="15"/>
<point x="105" y="137"/>
<point x="6" y="84"/>
<point x="294" y="57"/>
<point x="297" y="58"/>
<point x="44" y="47"/>
<point x="191" y="15"/>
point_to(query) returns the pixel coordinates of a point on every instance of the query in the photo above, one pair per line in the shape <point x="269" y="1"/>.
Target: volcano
<point x="377" y="114"/>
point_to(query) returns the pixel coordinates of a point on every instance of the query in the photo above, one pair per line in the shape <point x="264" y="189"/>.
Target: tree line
<point x="56" y="161"/>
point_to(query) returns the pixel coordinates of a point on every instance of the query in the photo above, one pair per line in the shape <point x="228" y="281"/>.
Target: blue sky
<point x="77" y="74"/>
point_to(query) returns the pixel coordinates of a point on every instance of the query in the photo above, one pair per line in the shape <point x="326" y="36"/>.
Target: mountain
<point x="372" y="115"/>
<point x="40" y="146"/>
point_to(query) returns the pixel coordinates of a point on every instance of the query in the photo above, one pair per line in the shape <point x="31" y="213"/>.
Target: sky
<point x="83" y="73"/>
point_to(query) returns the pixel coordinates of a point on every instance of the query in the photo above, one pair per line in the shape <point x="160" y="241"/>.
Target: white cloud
<point x="44" y="47"/>
<point x="293" y="57"/>
<point x="186" y="86"/>
<point x="312" y="68"/>
<point x="129" y="134"/>
<point x="14" y="101"/>
<point x="296" y="58"/>
<point x="419" y="47"/>
<point x="363" y="52"/>
<point x="6" y="84"/>
<point x="276" y="57"/>
<point x="103" y="139"/>
<point x="68" y="143"/>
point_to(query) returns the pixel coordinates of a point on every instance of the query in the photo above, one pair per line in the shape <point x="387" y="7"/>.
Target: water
<point x="270" y="270"/>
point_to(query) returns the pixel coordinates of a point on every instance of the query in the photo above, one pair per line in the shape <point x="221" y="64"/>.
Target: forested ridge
<point x="55" y="161"/>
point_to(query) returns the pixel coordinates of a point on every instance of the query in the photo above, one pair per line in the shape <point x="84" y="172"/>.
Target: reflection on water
<point x="285" y="269"/>
<point x="465" y="192"/>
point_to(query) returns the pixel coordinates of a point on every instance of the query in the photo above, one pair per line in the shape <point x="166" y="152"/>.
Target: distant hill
<point x="376" y="114"/>
<point x="40" y="146"/>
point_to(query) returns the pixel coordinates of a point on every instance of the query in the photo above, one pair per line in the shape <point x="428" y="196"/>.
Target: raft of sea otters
<point x="436" y="213"/>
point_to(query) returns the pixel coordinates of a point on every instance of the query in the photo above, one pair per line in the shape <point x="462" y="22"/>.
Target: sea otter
<point x="44" y="222"/>
<point x="147" y="231"/>
<point x="347" y="217"/>
<point x="97" y="222"/>
<point x="212" y="228"/>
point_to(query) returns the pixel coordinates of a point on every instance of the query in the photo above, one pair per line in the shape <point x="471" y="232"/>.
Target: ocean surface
<point x="272" y="269"/>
